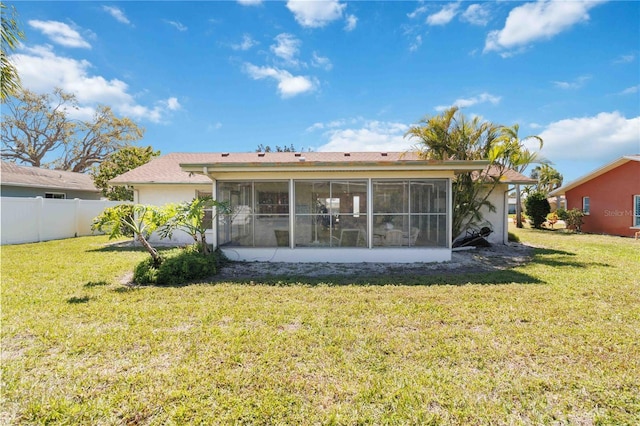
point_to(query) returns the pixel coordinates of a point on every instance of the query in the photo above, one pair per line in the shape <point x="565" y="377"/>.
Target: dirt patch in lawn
<point x="476" y="260"/>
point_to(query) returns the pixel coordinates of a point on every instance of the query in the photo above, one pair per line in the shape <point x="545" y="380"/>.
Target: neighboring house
<point x="24" y="181"/>
<point x="609" y="197"/>
<point x="321" y="206"/>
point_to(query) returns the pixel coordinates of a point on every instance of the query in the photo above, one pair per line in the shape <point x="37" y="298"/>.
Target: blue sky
<point x="346" y="76"/>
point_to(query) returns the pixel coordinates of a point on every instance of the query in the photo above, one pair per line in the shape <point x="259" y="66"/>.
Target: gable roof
<point x="12" y="174"/>
<point x="594" y="174"/>
<point x="190" y="168"/>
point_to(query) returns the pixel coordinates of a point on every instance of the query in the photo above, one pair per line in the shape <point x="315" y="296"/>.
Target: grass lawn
<point x="555" y="341"/>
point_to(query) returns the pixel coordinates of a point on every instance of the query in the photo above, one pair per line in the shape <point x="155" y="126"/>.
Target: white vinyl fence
<point x="29" y="220"/>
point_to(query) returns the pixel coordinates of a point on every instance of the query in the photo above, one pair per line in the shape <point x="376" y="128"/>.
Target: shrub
<point x="537" y="208"/>
<point x="562" y="214"/>
<point x="574" y="219"/>
<point x="179" y="266"/>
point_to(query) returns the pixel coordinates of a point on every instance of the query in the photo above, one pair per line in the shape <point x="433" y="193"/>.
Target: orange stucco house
<point x="609" y="197"/>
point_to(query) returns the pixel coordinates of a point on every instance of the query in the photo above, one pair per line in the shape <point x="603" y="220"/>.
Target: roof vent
<point x="298" y="154"/>
<point x="347" y="154"/>
<point x="384" y="154"/>
<point x="261" y="154"/>
<point x="302" y="159"/>
<point x="225" y="154"/>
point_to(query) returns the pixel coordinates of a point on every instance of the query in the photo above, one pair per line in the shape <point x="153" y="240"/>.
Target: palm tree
<point x="450" y="136"/>
<point x="548" y="178"/>
<point x="11" y="36"/>
<point x="518" y="157"/>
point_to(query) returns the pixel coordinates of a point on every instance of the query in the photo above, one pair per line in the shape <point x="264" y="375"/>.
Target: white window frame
<point x="586" y="205"/>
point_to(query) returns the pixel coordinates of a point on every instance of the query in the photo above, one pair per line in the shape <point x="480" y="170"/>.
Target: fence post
<point x="39" y="213"/>
<point x="76" y="216"/>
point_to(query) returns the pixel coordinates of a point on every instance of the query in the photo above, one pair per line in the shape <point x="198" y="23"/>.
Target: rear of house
<point x="320" y="207"/>
<point x="609" y="197"/>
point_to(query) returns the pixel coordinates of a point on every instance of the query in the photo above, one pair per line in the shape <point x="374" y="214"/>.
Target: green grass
<point x="554" y="342"/>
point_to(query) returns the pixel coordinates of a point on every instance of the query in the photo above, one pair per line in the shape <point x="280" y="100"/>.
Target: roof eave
<point x="207" y="168"/>
<point x="594" y="174"/>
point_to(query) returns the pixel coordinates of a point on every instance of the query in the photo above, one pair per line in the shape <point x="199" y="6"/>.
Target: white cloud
<point x="369" y="136"/>
<point x="352" y="21"/>
<point x="177" y="25"/>
<point x="60" y="33"/>
<point x="73" y="76"/>
<point x="575" y="84"/>
<point x="474" y="100"/>
<point x="630" y="90"/>
<point x="445" y="15"/>
<point x="117" y="14"/>
<point x="288" y="85"/>
<point x="246" y="43"/>
<point x="250" y="2"/>
<point x="316" y="14"/>
<point x="417" y="42"/>
<point x="419" y="11"/>
<point x="606" y="135"/>
<point x="476" y="14"/>
<point x="541" y="20"/>
<point x="173" y="104"/>
<point x="321" y="62"/>
<point x="625" y="59"/>
<point x="287" y="47"/>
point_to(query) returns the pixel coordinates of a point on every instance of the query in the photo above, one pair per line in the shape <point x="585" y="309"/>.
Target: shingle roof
<point x="35" y="177"/>
<point x="165" y="169"/>
<point x="168" y="169"/>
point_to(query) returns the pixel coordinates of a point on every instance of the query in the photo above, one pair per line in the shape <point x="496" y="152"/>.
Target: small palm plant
<point x="140" y="219"/>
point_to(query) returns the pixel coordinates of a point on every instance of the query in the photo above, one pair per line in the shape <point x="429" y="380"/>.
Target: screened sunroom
<point x="333" y="207"/>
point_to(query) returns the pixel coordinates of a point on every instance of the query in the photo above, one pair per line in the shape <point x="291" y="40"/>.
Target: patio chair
<point x="394" y="238"/>
<point x="348" y="238"/>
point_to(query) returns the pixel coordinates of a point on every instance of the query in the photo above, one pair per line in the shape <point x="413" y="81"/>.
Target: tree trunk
<point x="518" y="208"/>
<point x="153" y="252"/>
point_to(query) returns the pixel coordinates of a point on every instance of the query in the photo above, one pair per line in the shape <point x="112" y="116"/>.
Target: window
<point x="258" y="210"/>
<point x="331" y="213"/>
<point x="55" y="195"/>
<point x="585" y="205"/>
<point x="636" y="211"/>
<point x="208" y="214"/>
<point x="410" y="213"/>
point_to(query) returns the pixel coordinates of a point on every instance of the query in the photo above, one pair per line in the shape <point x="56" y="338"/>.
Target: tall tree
<point x="548" y="178"/>
<point x="117" y="163"/>
<point x="11" y="36"/>
<point x="450" y="136"/>
<point x="520" y="157"/>
<point x="38" y="130"/>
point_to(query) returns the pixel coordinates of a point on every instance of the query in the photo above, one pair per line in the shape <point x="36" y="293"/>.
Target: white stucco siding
<point x="160" y="195"/>
<point x="498" y="219"/>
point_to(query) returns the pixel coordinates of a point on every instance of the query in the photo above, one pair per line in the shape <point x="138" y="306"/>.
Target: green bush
<point x="562" y="214"/>
<point x="574" y="219"/>
<point x="179" y="266"/>
<point x="537" y="208"/>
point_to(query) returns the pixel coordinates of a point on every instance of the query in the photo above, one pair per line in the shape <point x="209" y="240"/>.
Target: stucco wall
<point x="611" y="200"/>
<point x="159" y="195"/>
